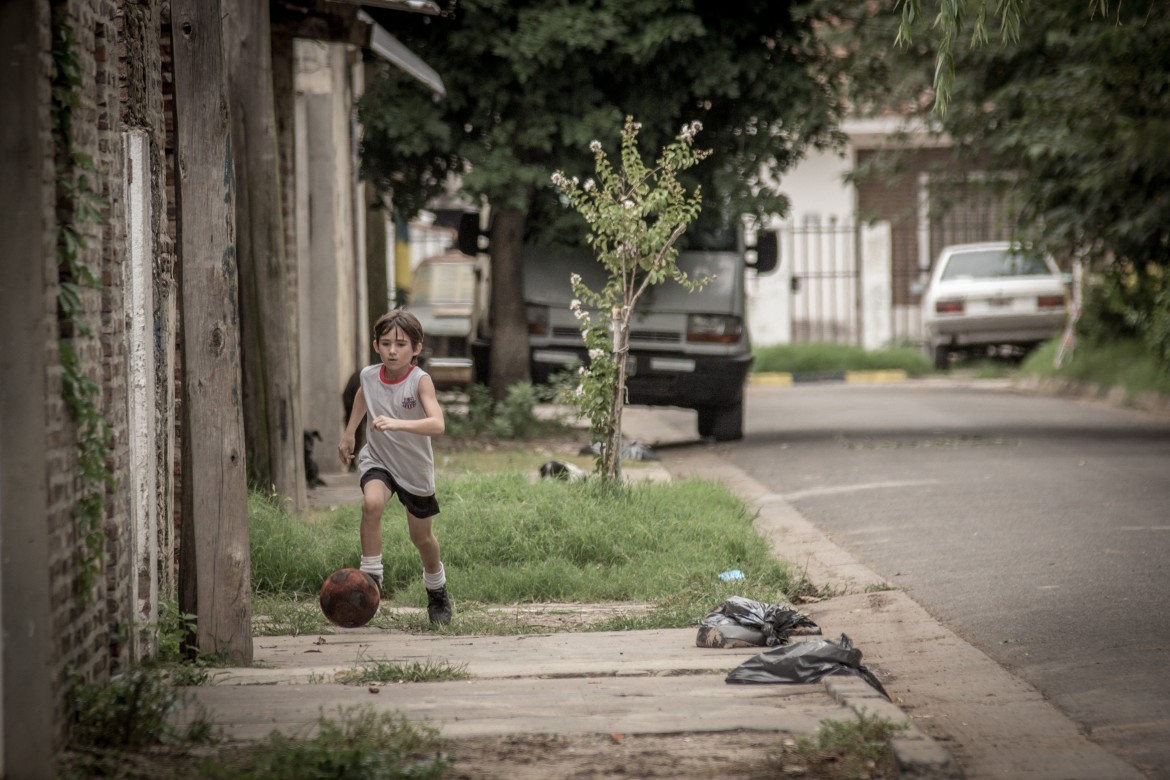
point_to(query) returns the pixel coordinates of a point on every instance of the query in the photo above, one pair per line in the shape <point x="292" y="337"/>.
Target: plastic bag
<point x="740" y="622"/>
<point x="805" y="662"/>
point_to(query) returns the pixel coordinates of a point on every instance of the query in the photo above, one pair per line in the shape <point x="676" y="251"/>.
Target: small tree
<point x="635" y="216"/>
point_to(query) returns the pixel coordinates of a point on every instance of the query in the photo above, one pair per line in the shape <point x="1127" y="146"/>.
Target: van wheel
<point x="722" y="423"/>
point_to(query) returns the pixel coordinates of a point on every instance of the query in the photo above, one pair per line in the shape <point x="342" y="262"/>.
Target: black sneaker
<point x="439" y="606"/>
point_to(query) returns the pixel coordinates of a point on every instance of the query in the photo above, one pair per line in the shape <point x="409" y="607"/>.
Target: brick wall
<point x="122" y="87"/>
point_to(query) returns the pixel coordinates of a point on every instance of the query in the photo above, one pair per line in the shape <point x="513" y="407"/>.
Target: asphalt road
<point x="1037" y="529"/>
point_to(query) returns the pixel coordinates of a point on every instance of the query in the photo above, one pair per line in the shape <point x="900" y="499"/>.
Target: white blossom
<point x="589" y="185"/>
<point x="559" y="179"/>
<point x="595" y="146"/>
<point x="581" y="314"/>
<point x="629" y="204"/>
<point x="575" y="305"/>
<point x="596" y="354"/>
<point x="575" y="278"/>
<point x="691" y="130"/>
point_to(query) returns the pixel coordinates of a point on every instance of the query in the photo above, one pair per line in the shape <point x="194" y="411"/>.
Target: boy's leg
<point x="375" y="495"/>
<point x="422" y="535"/>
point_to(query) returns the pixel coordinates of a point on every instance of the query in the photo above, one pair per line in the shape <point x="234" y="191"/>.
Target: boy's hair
<point x="404" y="321"/>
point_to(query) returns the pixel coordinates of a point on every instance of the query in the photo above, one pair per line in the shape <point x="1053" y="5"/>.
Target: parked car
<point x="992" y="294"/>
<point x="442" y="296"/>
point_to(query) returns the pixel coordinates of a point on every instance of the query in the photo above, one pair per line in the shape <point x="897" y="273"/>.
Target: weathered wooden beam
<point x="272" y="410"/>
<point x="214" y="574"/>
<point x="27" y="274"/>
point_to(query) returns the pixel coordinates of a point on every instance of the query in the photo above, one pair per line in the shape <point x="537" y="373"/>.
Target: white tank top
<point x="407" y="456"/>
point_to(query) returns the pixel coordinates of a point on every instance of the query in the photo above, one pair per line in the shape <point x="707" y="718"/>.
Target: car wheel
<point x="942" y="354"/>
<point x="722" y="423"/>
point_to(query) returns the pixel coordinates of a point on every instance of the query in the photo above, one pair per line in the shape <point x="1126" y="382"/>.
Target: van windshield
<point x="444" y="283"/>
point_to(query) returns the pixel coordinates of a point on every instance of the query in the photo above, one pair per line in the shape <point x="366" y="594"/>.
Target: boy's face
<point x="395" y="349"/>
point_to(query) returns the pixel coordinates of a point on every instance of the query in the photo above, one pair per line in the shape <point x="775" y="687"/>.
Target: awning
<point x="389" y="48"/>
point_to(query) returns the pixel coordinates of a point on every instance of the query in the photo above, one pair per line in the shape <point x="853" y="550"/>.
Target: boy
<point x="403" y="413"/>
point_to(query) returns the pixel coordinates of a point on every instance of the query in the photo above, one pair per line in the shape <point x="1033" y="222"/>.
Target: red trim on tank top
<point x="385" y="381"/>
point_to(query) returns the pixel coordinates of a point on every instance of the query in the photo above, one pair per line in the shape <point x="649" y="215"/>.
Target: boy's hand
<point x="384" y="423"/>
<point x="345" y="448"/>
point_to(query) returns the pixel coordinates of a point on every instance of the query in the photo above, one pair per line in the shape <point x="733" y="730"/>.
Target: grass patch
<point x="826" y="358"/>
<point x="509" y="540"/>
<point x="846" y="750"/>
<point x="373" y="670"/>
<point x="360" y="744"/>
<point x="1126" y="364"/>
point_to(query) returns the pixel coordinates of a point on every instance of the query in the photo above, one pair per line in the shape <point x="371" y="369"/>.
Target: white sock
<point x="372" y="564"/>
<point x="436" y="580"/>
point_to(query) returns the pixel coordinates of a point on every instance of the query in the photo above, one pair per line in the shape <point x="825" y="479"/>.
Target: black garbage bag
<point x="740" y="622"/>
<point x="805" y="662"/>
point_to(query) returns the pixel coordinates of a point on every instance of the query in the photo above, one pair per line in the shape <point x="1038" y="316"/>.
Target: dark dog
<point x="556" y="469"/>
<point x="312" y="474"/>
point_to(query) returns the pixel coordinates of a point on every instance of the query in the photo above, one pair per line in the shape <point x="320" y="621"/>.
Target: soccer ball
<point x="349" y="598"/>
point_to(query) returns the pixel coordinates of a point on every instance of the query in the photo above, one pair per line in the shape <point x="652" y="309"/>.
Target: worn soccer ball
<point x="349" y="598"/>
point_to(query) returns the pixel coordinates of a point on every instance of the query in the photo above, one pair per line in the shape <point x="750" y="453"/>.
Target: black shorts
<point x="419" y="506"/>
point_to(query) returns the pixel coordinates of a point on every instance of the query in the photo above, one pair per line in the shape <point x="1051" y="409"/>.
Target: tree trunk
<point x="272" y="414"/>
<point x="509" y="357"/>
<point x="214" y="573"/>
<point x="611" y="449"/>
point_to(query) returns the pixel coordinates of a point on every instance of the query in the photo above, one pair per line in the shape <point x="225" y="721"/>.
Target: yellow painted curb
<point x="876" y="377"/>
<point x="770" y="379"/>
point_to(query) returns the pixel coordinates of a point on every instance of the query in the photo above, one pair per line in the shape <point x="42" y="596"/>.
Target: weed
<point x="1126" y="364"/>
<point x="130" y="712"/>
<point x="383" y="670"/>
<point x="362" y="745"/>
<point x="847" y="750"/>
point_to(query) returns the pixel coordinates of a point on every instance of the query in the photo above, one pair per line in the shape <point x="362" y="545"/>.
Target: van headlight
<point x="714" y="328"/>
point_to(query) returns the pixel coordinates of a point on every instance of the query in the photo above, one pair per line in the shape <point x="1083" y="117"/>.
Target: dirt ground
<point x="739" y="755"/>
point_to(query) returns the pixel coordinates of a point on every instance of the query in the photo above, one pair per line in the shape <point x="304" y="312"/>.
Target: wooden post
<point x="272" y="419"/>
<point x="214" y="573"/>
<point x="28" y="277"/>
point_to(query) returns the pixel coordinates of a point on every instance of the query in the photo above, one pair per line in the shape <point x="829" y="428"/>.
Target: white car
<point x="992" y="294"/>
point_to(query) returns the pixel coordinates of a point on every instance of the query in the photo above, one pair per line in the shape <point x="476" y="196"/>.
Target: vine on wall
<point x="78" y="204"/>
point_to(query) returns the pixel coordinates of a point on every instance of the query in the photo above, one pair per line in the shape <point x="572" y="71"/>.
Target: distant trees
<point x="1072" y="106"/>
<point x="531" y="82"/>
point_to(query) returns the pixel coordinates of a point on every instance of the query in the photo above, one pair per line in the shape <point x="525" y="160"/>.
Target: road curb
<point x="917" y="755"/>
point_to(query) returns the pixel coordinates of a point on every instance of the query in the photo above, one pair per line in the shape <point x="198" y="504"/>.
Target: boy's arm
<point x="431" y="425"/>
<point x="345" y="448"/>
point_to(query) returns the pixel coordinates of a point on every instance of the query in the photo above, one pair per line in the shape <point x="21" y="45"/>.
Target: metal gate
<point x="826" y="302"/>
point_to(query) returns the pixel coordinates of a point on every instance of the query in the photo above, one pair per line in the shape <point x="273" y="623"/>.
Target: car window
<point x="444" y="283"/>
<point x="993" y="263"/>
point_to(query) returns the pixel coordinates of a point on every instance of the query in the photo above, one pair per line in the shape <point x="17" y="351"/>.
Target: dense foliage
<point x="530" y="84"/>
<point x="1069" y="111"/>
